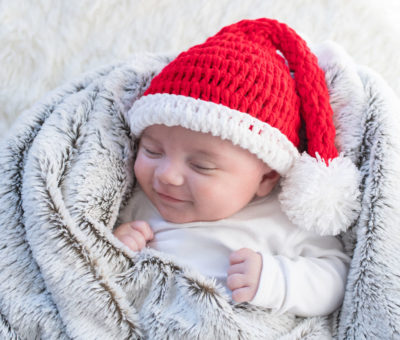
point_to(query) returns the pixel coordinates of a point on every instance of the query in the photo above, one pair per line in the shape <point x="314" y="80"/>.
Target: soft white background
<point x="45" y="43"/>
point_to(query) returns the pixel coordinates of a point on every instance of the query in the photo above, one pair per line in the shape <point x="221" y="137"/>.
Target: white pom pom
<point x="321" y="198"/>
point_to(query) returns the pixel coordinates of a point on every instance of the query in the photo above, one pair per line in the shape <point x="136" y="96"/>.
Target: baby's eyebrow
<point x="207" y="153"/>
<point x="146" y="136"/>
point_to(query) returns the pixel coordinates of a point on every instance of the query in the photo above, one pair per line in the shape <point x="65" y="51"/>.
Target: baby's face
<point x="191" y="176"/>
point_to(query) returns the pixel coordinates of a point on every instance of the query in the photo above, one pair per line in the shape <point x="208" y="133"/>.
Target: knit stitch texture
<point x="240" y="68"/>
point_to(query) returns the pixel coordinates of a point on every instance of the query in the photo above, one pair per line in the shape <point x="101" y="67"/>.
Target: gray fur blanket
<point x="66" y="171"/>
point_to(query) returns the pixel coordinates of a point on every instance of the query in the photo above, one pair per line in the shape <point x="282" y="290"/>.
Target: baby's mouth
<point x="168" y="198"/>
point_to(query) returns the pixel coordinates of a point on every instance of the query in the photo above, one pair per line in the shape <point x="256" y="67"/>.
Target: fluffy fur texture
<point x="46" y="43"/>
<point x="66" y="170"/>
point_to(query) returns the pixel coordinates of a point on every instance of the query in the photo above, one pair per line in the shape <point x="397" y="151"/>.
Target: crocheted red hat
<point x="255" y="83"/>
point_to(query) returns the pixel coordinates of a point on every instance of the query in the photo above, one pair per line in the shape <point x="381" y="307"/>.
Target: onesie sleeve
<point x="307" y="278"/>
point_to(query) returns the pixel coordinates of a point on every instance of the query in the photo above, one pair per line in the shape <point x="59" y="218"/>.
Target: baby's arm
<point x="309" y="282"/>
<point x="244" y="274"/>
<point x="134" y="234"/>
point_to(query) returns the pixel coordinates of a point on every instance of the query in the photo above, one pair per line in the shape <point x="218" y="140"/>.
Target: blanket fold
<point x="66" y="170"/>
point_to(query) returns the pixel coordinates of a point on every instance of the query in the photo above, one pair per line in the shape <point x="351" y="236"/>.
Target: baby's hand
<point x="244" y="274"/>
<point x="134" y="234"/>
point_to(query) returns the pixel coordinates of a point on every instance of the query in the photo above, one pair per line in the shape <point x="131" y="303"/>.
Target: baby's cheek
<point x="141" y="169"/>
<point x="215" y="200"/>
<point x="208" y="192"/>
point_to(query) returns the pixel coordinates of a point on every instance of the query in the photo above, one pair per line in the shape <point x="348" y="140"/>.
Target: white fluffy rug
<point x="45" y="43"/>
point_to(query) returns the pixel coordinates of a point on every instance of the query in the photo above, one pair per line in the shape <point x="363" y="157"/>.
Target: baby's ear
<point x="267" y="183"/>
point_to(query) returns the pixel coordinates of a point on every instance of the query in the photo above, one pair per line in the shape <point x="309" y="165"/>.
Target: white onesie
<point x="302" y="273"/>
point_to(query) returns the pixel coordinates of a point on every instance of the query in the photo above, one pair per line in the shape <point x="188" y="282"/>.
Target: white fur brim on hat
<point x="315" y="196"/>
<point x="261" y="139"/>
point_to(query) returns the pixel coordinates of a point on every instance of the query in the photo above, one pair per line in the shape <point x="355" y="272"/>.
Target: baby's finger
<point x="240" y="255"/>
<point x="238" y="268"/>
<point x="236" y="281"/>
<point x="144" y="228"/>
<point x="122" y="229"/>
<point x="244" y="294"/>
<point x="139" y="238"/>
<point x="130" y="241"/>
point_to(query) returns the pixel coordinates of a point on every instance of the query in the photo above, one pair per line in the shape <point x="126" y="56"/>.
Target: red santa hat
<point x="257" y="84"/>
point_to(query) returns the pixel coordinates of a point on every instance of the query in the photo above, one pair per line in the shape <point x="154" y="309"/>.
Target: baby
<point x="219" y="127"/>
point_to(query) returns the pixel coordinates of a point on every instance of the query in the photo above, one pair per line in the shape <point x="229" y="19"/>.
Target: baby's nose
<point x="169" y="173"/>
